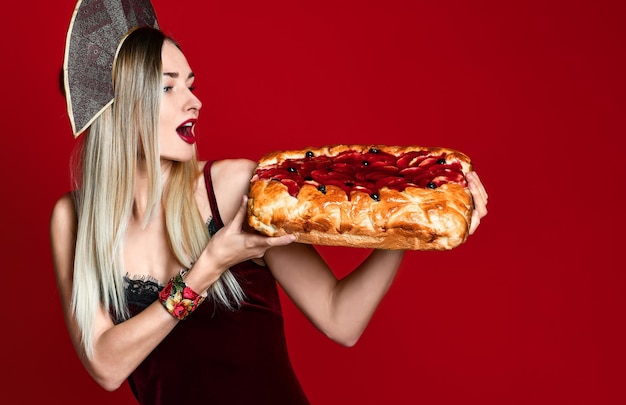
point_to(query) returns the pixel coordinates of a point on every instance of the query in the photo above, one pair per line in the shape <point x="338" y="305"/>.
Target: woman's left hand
<point x="479" y="194"/>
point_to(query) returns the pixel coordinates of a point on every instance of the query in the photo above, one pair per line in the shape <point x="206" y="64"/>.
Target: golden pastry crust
<point x="410" y="217"/>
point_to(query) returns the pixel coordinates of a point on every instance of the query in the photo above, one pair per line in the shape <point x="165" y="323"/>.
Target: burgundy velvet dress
<point x="217" y="356"/>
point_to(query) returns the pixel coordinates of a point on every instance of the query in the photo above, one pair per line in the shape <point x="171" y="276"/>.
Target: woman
<point x="143" y="210"/>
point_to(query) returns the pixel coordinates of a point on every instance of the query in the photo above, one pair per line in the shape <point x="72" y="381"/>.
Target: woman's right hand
<point x="229" y="246"/>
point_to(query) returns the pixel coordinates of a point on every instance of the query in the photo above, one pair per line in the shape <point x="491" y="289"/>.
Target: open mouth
<point x="185" y="132"/>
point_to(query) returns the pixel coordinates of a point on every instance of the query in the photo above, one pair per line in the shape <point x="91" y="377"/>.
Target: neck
<point x="140" y="203"/>
<point x="141" y="191"/>
<point x="140" y="195"/>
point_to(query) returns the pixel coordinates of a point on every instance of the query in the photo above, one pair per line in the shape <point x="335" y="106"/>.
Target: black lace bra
<point x="142" y="291"/>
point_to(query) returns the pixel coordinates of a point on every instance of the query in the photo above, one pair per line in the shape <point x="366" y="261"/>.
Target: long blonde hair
<point x="124" y="133"/>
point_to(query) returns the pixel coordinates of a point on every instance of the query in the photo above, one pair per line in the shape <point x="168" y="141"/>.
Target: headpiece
<point x="97" y="30"/>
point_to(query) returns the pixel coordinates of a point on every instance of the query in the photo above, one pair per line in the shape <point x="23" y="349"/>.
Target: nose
<point x="194" y="102"/>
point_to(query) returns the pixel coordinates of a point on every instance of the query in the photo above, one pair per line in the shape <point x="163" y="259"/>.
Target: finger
<point x="257" y="245"/>
<point x="281" y="240"/>
<point x="480" y="205"/>
<point x="479" y="186"/>
<point x="479" y="194"/>
<point x="239" y="217"/>
<point x="271" y="241"/>
<point x="481" y="208"/>
<point x="475" y="221"/>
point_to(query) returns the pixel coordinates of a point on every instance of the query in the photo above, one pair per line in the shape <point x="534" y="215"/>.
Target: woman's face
<point x="179" y="106"/>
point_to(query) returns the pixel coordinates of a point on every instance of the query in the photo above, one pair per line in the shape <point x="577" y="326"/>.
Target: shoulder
<point x="63" y="212"/>
<point x="63" y="226"/>
<point x="231" y="180"/>
<point x="233" y="168"/>
<point x="234" y="172"/>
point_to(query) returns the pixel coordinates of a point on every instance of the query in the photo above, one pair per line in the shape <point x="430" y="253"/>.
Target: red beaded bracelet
<point x="178" y="299"/>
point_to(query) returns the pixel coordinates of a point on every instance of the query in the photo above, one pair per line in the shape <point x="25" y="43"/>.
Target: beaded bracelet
<point x="178" y="299"/>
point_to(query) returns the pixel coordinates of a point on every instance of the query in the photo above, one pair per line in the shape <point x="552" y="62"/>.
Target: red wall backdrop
<point x="529" y="311"/>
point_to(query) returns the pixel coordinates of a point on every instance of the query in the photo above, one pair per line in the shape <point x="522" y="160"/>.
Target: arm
<point x="341" y="309"/>
<point x="119" y="349"/>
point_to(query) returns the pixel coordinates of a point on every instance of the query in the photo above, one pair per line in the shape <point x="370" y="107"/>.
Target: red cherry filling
<point x="367" y="172"/>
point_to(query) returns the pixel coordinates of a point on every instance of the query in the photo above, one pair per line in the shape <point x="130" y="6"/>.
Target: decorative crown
<point x="97" y="30"/>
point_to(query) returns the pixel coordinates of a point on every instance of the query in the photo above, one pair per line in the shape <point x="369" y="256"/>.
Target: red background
<point x="529" y="311"/>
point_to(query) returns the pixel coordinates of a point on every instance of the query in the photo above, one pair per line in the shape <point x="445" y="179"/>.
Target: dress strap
<point x="212" y="200"/>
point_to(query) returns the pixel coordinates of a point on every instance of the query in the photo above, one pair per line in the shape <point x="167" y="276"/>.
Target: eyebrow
<point x="175" y="75"/>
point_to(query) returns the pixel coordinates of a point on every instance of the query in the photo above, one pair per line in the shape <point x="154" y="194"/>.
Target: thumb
<point x="241" y="212"/>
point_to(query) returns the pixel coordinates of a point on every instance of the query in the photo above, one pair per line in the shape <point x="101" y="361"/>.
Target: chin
<point x="177" y="150"/>
<point x="179" y="157"/>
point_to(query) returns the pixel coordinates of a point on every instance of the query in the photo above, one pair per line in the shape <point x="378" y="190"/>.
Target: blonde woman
<point x="149" y="228"/>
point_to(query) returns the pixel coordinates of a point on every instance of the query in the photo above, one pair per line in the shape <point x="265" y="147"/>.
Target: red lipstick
<point x="185" y="131"/>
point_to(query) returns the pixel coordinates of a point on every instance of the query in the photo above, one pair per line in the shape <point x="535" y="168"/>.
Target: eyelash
<point x="166" y="89"/>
